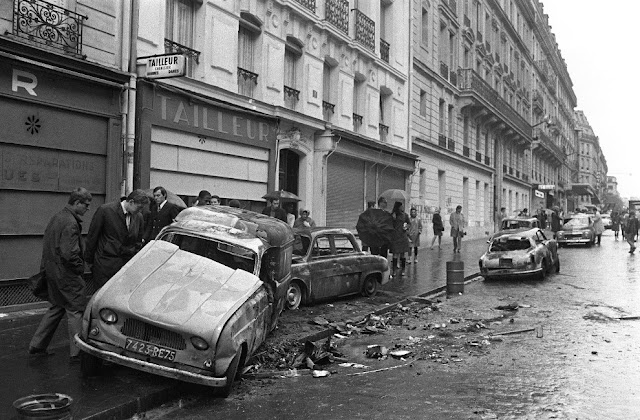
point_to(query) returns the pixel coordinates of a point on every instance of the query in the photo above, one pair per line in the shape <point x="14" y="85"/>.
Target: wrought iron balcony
<point x="465" y="151"/>
<point x="478" y="157"/>
<point x="442" y="140"/>
<point x="247" y="81"/>
<point x="451" y="144"/>
<point x="47" y="24"/>
<point x="291" y="92"/>
<point x="384" y="131"/>
<point x="193" y="56"/>
<point x="365" y="30"/>
<point x="357" y="121"/>
<point x="444" y="70"/>
<point x="309" y="4"/>
<point x="337" y="13"/>
<point x="384" y="50"/>
<point x="328" y="106"/>
<point x="472" y="83"/>
<point x="248" y="75"/>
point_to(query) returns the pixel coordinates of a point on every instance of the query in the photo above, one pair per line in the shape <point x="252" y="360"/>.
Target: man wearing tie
<point x="162" y="214"/>
<point x="115" y="235"/>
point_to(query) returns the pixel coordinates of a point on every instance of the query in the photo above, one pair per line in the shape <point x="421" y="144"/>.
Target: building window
<point x="328" y="104"/>
<point x="248" y="33"/>
<point x="179" y="28"/>
<point x="450" y="122"/>
<point x="442" y="117"/>
<point x="292" y="54"/>
<point x="423" y="103"/>
<point x="357" y="113"/>
<point x="424" y="39"/>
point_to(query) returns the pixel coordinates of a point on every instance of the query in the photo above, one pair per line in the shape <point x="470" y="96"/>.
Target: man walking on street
<point x="162" y="214"/>
<point x="63" y="266"/>
<point x="457" y="222"/>
<point x="274" y="210"/>
<point x="630" y="231"/>
<point x="115" y="235"/>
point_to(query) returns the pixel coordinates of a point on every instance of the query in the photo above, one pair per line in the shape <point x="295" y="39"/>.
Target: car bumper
<point x="148" y="367"/>
<point x="568" y="241"/>
<point x="509" y="272"/>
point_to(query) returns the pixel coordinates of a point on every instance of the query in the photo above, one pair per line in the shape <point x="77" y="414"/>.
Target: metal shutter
<point x="392" y="178"/>
<point x="345" y="191"/>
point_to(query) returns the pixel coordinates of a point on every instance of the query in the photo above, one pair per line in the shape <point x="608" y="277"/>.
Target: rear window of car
<point x="233" y="256"/>
<point x="321" y="247"/>
<point x="577" y="222"/>
<point x="343" y="244"/>
<point x="515" y="224"/>
<point x="509" y="244"/>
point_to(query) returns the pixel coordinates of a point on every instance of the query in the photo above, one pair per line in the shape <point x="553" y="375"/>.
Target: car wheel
<point x="545" y="269"/>
<point x="232" y="372"/>
<point x="370" y="286"/>
<point x="294" y="295"/>
<point x="557" y="263"/>
<point x="89" y="365"/>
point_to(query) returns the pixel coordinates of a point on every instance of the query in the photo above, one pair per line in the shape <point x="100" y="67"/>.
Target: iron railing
<point x="337" y="13"/>
<point x="328" y="109"/>
<point x="292" y="93"/>
<point x="247" y="81"/>
<point x="357" y="121"/>
<point x="47" y="24"/>
<point x="384" y="132"/>
<point x="469" y="80"/>
<point x="384" y="50"/>
<point x="444" y="70"/>
<point x="309" y="4"/>
<point x="193" y="56"/>
<point x="365" y="30"/>
<point x="442" y="140"/>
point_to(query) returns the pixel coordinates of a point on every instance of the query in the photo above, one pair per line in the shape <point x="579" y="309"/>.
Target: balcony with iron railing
<point x="444" y="70"/>
<point x="309" y="4"/>
<point x="365" y="30"/>
<point x="247" y="81"/>
<point x="357" y="121"/>
<point x="442" y="140"/>
<point x="328" y="109"/>
<point x="193" y="56"/>
<point x="384" y="50"/>
<point x="470" y="82"/>
<point x="383" y="131"/>
<point x="291" y="97"/>
<point x="547" y="143"/>
<point x="48" y="25"/>
<point x="337" y="14"/>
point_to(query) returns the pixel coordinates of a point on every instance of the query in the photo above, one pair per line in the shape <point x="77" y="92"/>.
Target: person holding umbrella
<point x="274" y="210"/>
<point x="375" y="228"/>
<point x="400" y="239"/>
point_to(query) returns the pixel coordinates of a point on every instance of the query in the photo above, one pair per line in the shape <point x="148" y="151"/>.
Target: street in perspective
<point x="268" y="209"/>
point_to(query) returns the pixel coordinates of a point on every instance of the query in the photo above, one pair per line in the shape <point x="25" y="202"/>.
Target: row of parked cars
<point x="195" y="303"/>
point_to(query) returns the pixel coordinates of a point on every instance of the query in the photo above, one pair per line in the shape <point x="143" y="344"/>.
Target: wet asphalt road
<point x="584" y="365"/>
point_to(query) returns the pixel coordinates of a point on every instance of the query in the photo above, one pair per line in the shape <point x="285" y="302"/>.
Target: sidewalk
<point x="121" y="392"/>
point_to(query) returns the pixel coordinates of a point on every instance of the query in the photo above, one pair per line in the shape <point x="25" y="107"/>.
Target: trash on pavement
<point x="378" y="370"/>
<point x="630" y="317"/>
<point x="515" y="332"/>
<point x="399" y="353"/>
<point x="320" y="321"/>
<point x="353" y="365"/>
<point x="375" y="351"/>
<point x="321" y="373"/>
<point x="510" y="307"/>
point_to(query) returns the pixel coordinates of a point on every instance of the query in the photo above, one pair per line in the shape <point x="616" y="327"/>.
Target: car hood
<point x="176" y="288"/>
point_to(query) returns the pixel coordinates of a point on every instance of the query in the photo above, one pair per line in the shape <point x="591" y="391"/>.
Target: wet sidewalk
<point x="120" y="392"/>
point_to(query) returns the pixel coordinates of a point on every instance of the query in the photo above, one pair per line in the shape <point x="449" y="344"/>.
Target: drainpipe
<point x="125" y="42"/>
<point x="131" y="100"/>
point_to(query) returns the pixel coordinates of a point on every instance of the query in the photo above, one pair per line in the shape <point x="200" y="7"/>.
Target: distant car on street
<point x="606" y="221"/>
<point x="577" y="229"/>
<point x="328" y="263"/>
<point x="520" y="253"/>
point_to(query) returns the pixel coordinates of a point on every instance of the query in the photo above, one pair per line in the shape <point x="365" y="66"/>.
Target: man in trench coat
<point x="115" y="235"/>
<point x="162" y="214"/>
<point x="63" y="266"/>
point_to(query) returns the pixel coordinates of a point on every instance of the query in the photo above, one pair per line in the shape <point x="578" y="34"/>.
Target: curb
<point x="387" y="308"/>
<point x="138" y="405"/>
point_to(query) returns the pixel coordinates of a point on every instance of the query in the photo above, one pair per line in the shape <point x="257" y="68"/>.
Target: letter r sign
<point x="25" y="80"/>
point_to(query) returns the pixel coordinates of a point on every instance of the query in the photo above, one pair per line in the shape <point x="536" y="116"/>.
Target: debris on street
<point x="378" y="370"/>
<point x="514" y="332"/>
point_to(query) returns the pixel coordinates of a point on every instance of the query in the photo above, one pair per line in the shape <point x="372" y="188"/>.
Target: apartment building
<point x="492" y="109"/>
<point x="591" y="179"/>
<point x="306" y="96"/>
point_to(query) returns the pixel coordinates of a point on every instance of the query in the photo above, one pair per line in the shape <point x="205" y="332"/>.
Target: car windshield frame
<point x="507" y="243"/>
<point x="234" y="256"/>
<point x="581" y="222"/>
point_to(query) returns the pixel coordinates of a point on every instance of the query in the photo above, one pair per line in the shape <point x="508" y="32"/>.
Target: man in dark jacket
<point x="162" y="214"/>
<point x="63" y="265"/>
<point x="274" y="210"/>
<point x="115" y="235"/>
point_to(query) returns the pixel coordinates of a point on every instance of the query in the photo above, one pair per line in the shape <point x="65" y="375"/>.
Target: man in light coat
<point x="457" y="222"/>
<point x="63" y="266"/>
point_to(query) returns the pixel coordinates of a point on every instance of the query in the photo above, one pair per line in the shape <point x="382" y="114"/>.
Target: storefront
<point x="188" y="143"/>
<point x="61" y="130"/>
<point x="359" y="170"/>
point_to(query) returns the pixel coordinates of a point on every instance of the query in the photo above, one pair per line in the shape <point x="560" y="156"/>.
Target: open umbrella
<point x="394" y="195"/>
<point x="171" y="198"/>
<point x="375" y="227"/>
<point x="282" y="195"/>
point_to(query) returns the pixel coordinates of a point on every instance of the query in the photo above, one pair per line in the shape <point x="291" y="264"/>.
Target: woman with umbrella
<point x="400" y="240"/>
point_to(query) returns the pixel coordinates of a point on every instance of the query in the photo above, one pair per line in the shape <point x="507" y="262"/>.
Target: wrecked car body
<point x="195" y="303"/>
<point x="520" y="253"/>
<point x="328" y="263"/>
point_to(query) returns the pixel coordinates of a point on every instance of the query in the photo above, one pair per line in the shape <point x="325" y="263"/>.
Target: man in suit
<point x="162" y="214"/>
<point x="63" y="264"/>
<point x="274" y="210"/>
<point x="115" y="235"/>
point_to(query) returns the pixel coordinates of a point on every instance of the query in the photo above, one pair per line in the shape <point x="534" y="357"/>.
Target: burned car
<point x="328" y="263"/>
<point x="525" y="253"/>
<point x="577" y="229"/>
<point x="195" y="303"/>
<point x="518" y="223"/>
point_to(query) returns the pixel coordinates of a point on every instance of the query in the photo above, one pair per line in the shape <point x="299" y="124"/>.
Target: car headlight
<point x="586" y="234"/>
<point x="199" y="343"/>
<point x="108" y="316"/>
<point x="560" y="234"/>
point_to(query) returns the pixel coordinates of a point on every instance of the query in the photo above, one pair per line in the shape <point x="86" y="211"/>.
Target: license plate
<point x="149" y="349"/>
<point x="506" y="262"/>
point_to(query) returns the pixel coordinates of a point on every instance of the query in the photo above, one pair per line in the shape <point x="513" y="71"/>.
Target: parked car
<point x="522" y="253"/>
<point x="195" y="303"/>
<point x="518" y="223"/>
<point x="606" y="221"/>
<point x="577" y="229"/>
<point x="328" y="263"/>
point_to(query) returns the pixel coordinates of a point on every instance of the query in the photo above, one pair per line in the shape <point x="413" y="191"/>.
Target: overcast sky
<point x="600" y="42"/>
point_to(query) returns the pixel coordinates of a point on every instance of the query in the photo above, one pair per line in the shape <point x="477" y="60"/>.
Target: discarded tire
<point x="44" y="407"/>
<point x="455" y="277"/>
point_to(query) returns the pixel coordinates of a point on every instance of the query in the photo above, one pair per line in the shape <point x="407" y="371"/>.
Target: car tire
<point x="89" y="365"/>
<point x="557" y="263"/>
<point x="370" y="286"/>
<point x="294" y="295"/>
<point x="232" y="373"/>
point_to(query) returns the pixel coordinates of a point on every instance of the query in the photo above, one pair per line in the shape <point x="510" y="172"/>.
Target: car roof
<point x="529" y="219"/>
<point x="518" y="234"/>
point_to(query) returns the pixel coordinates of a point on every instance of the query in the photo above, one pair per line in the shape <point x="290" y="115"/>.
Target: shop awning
<point x="374" y="150"/>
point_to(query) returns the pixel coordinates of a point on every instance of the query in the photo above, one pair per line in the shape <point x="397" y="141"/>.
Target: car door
<point x="322" y="270"/>
<point x="347" y="263"/>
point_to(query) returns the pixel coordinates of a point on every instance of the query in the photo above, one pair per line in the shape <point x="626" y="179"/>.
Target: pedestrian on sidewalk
<point x="415" y="230"/>
<point x="115" y="235"/>
<point x="438" y="228"/>
<point x="63" y="266"/>
<point x="630" y="229"/>
<point x="598" y="226"/>
<point x="457" y="222"/>
<point x="555" y="221"/>
<point x="615" y="224"/>
<point x="400" y="240"/>
<point x="204" y="199"/>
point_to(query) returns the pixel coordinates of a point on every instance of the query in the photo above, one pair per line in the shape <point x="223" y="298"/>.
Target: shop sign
<point x="546" y="187"/>
<point x="164" y="66"/>
<point x="539" y="194"/>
